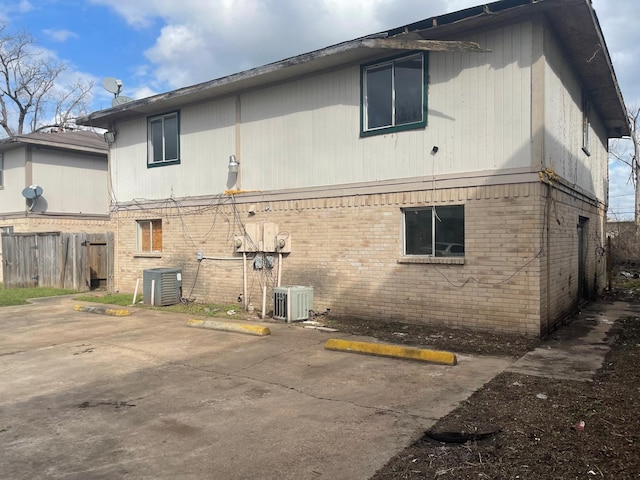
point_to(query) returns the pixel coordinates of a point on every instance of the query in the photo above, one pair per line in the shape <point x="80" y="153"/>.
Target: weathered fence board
<point x="77" y="261"/>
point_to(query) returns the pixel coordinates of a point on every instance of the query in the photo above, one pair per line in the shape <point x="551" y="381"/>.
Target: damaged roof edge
<point x="330" y="56"/>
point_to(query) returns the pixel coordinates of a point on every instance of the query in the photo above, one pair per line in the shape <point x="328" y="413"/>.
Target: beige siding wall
<point x="11" y="199"/>
<point x="72" y="183"/>
<point x="307" y="132"/>
<point x="564" y="128"/>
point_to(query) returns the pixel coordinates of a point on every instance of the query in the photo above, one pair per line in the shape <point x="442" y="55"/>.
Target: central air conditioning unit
<point x="161" y="286"/>
<point x="292" y="303"/>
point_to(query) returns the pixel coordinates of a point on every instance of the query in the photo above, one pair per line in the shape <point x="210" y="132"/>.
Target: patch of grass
<point x="121" y="299"/>
<point x="19" y="296"/>
<point x="203" y="309"/>
<point x="629" y="284"/>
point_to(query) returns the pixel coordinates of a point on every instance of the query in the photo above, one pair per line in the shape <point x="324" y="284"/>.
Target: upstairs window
<point x="434" y="232"/>
<point x="149" y="236"/>
<point x="394" y="94"/>
<point x="163" y="139"/>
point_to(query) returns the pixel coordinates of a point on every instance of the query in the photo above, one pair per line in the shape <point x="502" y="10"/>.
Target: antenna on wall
<point x="114" y="86"/>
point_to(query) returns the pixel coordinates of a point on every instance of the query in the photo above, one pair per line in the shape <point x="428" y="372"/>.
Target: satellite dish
<point x="119" y="100"/>
<point x="32" y="191"/>
<point x="112" y="85"/>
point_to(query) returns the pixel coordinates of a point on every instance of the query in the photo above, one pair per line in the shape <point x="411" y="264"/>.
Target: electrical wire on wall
<point x="515" y="272"/>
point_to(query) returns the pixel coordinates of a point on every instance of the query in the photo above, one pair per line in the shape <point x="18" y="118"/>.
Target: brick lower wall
<point x="350" y="250"/>
<point x="565" y="210"/>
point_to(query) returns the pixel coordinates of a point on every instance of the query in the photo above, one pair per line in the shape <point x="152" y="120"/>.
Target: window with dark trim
<point x="394" y="94"/>
<point x="163" y="143"/>
<point x="434" y="231"/>
<point x="149" y="236"/>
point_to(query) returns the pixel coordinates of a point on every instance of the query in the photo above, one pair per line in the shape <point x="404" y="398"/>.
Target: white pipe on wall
<point x="135" y="292"/>
<point x="244" y="281"/>
<point x="279" y="267"/>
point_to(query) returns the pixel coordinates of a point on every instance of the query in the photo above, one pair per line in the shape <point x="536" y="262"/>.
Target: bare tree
<point x="30" y="94"/>
<point x="631" y="157"/>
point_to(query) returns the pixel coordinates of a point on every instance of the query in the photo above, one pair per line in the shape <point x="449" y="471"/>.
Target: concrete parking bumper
<point x="394" y="351"/>
<point x="230" y="327"/>
<point x="114" y="312"/>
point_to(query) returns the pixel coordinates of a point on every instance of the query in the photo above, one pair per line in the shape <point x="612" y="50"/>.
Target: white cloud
<point x="59" y="35"/>
<point x="201" y="40"/>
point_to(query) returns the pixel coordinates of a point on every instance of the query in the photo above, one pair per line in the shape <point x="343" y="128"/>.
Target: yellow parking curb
<point x="102" y="310"/>
<point x="432" y="356"/>
<point x="230" y="327"/>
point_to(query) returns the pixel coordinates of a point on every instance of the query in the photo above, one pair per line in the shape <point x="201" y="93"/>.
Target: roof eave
<point x="598" y="74"/>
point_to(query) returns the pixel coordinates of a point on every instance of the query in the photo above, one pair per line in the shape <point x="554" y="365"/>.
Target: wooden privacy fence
<point x="78" y="261"/>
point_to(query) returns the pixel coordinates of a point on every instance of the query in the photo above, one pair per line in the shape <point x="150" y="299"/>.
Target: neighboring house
<point x="68" y="173"/>
<point x="481" y="132"/>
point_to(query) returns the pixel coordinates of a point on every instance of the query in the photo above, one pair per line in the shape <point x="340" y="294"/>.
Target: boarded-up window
<point x="149" y="235"/>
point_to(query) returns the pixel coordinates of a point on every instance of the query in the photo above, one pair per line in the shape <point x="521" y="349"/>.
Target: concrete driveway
<point x="87" y="396"/>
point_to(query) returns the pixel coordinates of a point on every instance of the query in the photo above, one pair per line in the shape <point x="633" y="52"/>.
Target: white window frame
<point x="139" y="231"/>
<point x="394" y="125"/>
<point x="450" y="249"/>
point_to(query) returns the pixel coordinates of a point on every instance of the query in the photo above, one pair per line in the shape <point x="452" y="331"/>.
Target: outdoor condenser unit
<point x="162" y="286"/>
<point x="292" y="303"/>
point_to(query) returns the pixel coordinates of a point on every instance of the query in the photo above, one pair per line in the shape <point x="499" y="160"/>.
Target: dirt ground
<point x="524" y="427"/>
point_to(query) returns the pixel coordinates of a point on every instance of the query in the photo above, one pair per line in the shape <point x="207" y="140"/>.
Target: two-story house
<point x="451" y="171"/>
<point x="53" y="182"/>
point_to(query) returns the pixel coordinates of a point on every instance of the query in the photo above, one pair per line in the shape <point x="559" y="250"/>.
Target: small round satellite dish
<point x="37" y="189"/>
<point x="112" y="85"/>
<point x="120" y="100"/>
<point x="29" y="193"/>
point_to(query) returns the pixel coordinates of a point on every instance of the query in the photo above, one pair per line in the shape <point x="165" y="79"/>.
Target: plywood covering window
<point x="434" y="232"/>
<point x="149" y="236"/>
<point x="163" y="145"/>
<point x="394" y="94"/>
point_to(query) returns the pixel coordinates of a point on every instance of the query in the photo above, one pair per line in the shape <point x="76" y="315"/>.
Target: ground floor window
<point x="434" y="231"/>
<point x="149" y="236"/>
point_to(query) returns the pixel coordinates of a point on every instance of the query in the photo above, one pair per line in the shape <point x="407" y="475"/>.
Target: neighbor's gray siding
<point x="11" y="199"/>
<point x="72" y="183"/>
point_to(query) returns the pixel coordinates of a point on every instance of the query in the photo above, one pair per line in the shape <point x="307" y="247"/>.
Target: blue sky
<point x="155" y="46"/>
